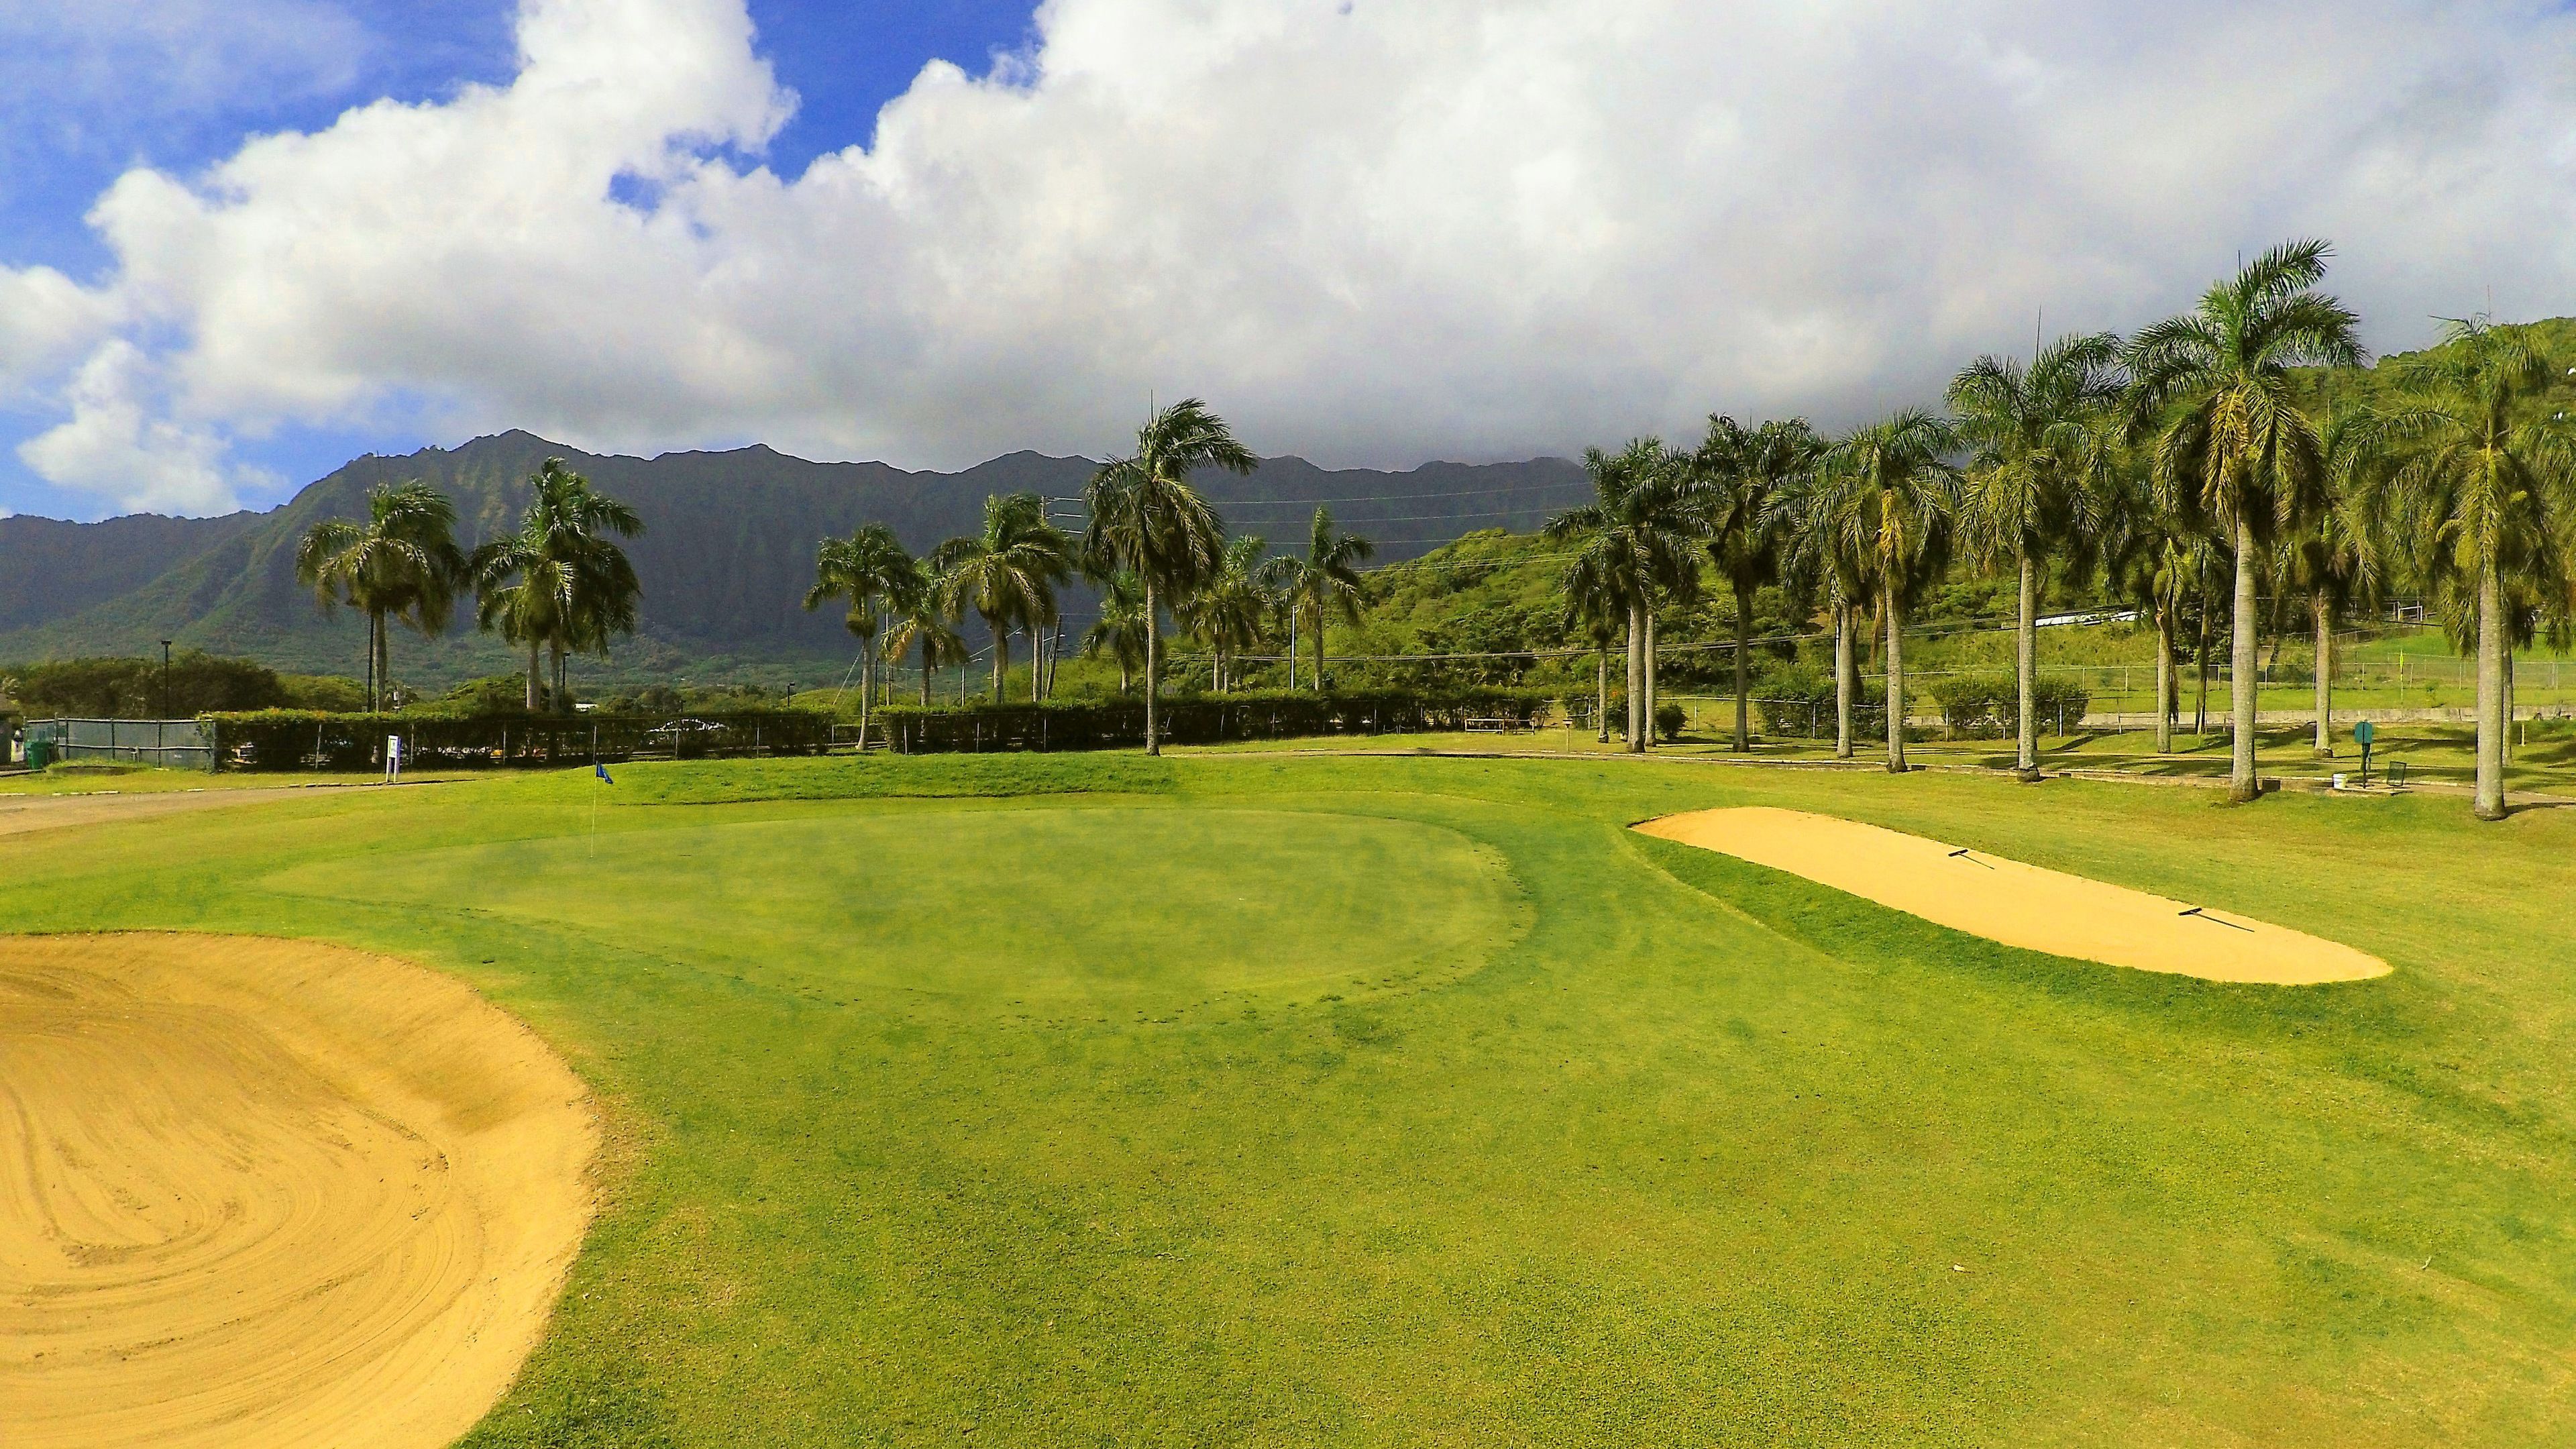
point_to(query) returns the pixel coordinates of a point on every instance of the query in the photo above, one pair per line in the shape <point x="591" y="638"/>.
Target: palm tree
<point x="2484" y="489"/>
<point x="574" y="589"/>
<point x="1229" y="610"/>
<point x="2230" y="437"/>
<point x="2040" y="436"/>
<point x="1814" y="514"/>
<point x="1007" y="574"/>
<point x="402" y="563"/>
<point x="867" y="568"/>
<point x="2153" y="556"/>
<point x="1325" y="584"/>
<point x="1904" y="493"/>
<point x="1596" y="603"/>
<point x="917" y="619"/>
<point x="1740" y="472"/>
<point x="1637" y="536"/>
<point x="2336" y="557"/>
<point x="1148" y="520"/>
<point x="1120" y="631"/>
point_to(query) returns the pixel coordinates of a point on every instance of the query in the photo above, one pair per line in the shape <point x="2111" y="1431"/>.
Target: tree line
<point x="558" y="584"/>
<point x="2143" y="466"/>
<point x="1152" y="545"/>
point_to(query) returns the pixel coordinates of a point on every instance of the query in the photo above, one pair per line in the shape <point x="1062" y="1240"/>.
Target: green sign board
<point x="2362" y="732"/>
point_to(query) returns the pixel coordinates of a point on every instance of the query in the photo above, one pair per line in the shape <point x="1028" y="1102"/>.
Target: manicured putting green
<point x="1128" y="909"/>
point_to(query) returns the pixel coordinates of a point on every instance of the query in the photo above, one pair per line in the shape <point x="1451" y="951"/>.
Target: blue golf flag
<point x="602" y="772"/>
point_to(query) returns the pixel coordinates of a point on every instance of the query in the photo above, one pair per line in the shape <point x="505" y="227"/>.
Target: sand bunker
<point x="2019" y="905"/>
<point x="270" y="1193"/>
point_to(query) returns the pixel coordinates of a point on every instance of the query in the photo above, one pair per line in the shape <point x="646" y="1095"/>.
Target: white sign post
<point x="393" y="759"/>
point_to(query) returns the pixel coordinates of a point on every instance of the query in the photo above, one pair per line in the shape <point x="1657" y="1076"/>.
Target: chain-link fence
<point x="175" y="743"/>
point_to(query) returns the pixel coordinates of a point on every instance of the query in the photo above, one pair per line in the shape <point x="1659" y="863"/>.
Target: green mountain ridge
<point x="725" y="559"/>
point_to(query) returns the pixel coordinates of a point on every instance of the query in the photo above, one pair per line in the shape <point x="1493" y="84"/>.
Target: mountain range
<point x="725" y="559"/>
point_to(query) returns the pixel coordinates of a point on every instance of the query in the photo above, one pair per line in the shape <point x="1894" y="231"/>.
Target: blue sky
<point x="85" y="104"/>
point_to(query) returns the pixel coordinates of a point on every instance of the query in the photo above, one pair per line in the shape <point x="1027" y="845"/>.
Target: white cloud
<point x="1370" y="232"/>
<point x="118" y="446"/>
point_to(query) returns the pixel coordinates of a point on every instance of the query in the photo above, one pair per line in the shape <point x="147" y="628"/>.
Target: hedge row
<point x="291" y="739"/>
<point x="1203" y="719"/>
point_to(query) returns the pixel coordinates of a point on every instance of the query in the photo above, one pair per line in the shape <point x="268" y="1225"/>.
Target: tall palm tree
<point x="1596" y="605"/>
<point x="1120" y="631"/>
<point x="2040" y="435"/>
<point x="2230" y="438"/>
<point x="560" y="582"/>
<point x="1741" y="471"/>
<point x="2336" y="557"/>
<point x="2153" y="556"/>
<point x="1230" y="608"/>
<point x="1148" y="520"/>
<point x="1325" y="584"/>
<point x="917" y="618"/>
<point x="1007" y="574"/>
<point x="1639" y="537"/>
<point x="402" y="563"/>
<point x="1815" y="514"/>
<point x="2484" y="488"/>
<point x="1904" y="495"/>
<point x="867" y="568"/>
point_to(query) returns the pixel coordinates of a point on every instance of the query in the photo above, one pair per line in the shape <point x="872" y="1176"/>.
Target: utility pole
<point x="165" y="679"/>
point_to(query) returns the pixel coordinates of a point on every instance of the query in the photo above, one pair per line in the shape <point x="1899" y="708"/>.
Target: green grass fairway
<point x="1256" y="1099"/>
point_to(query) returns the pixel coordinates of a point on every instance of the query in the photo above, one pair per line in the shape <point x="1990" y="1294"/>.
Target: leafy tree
<point x="1007" y="574"/>
<point x="1147" y="519"/>
<point x="2153" y="555"/>
<point x="1638" y="538"/>
<point x="2040" y="436"/>
<point x="1903" y="495"/>
<point x="1325" y="584"/>
<point x="867" y="568"/>
<point x="918" y="618"/>
<point x="2484" y="492"/>
<point x="2230" y="437"/>
<point x="402" y="563"/>
<point x="1740" y="471"/>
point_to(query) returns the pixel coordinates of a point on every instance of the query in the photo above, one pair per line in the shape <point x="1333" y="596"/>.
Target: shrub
<point x="137" y="688"/>
<point x="1202" y="719"/>
<point x="1668" y="721"/>
<point x="1990" y="704"/>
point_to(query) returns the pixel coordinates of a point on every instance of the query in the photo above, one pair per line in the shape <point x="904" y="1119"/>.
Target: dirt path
<point x="270" y="1193"/>
<point x="2016" y="904"/>
<point x="22" y="813"/>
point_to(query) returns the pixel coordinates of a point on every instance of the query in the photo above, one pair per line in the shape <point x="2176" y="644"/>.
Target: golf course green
<point x="1253" y="1099"/>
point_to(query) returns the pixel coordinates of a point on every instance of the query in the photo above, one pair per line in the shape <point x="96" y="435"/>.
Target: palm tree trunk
<point x="533" y="676"/>
<point x="2026" y="671"/>
<point x="1001" y="657"/>
<point x="1743" y="683"/>
<point x="2324" y="612"/>
<point x="867" y="687"/>
<point x="2491" y="721"/>
<point x="1153" y="674"/>
<point x="1636" y="674"/>
<point x="925" y="671"/>
<point x="1895" y="678"/>
<point x="371" y="661"/>
<point x="2200" y="701"/>
<point x="2164" y="679"/>
<point x="2241" y="782"/>
<point x="1319" y="646"/>
<point x="1601" y="705"/>
<point x="1295" y="617"/>
<point x="1846" y="680"/>
<point x="1650" y="679"/>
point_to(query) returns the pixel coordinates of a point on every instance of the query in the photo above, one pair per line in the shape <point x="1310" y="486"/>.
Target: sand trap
<point x="270" y="1193"/>
<point x="2019" y="905"/>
